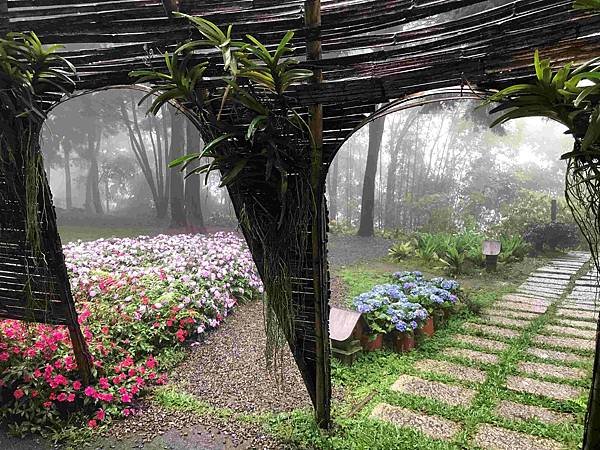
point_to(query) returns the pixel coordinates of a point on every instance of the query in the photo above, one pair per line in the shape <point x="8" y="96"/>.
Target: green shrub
<point x="514" y="248"/>
<point x="400" y="251"/>
<point x="553" y="236"/>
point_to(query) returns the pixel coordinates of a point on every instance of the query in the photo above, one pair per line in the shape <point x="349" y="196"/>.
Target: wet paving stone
<point x="456" y="371"/>
<point x="551" y="276"/>
<point x="507" y="321"/>
<point x="554" y="355"/>
<point x="492" y="311"/>
<point x="491" y="330"/>
<point x="543" y="388"/>
<point x="490" y="437"/>
<point x="487" y="344"/>
<point x="442" y="392"/>
<point x="577" y="324"/>
<point x="471" y="355"/>
<point x="519" y="411"/>
<point x="575" y="314"/>
<point x="551" y="370"/>
<point x="539" y="309"/>
<point x="569" y="331"/>
<point x="433" y="426"/>
<point x="537" y="301"/>
<point x="566" y="342"/>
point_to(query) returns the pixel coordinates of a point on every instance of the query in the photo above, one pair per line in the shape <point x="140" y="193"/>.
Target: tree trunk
<point x="193" y="204"/>
<point x="333" y="190"/>
<point x="176" y="191"/>
<point x="591" y="439"/>
<point x="66" y="146"/>
<point x="376" y="129"/>
<point x="93" y="203"/>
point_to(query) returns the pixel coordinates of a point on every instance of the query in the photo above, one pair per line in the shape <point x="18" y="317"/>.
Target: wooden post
<point x="554" y="210"/>
<point x="3" y="17"/>
<point x="318" y="229"/>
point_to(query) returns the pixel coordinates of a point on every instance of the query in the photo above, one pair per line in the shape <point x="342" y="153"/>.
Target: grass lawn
<point x="70" y="233"/>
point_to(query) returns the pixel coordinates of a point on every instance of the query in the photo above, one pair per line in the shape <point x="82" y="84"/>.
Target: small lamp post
<point x="491" y="250"/>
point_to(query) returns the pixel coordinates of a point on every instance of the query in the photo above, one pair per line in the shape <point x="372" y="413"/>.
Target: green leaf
<point x="233" y="173"/>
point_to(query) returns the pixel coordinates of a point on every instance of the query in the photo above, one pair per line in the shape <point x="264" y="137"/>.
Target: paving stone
<point x="520" y="411"/>
<point x="589" y="315"/>
<point x="548" y="295"/>
<point x="445" y="393"/>
<point x="543" y="388"/>
<point x="490" y="437"/>
<point x="537" y="301"/>
<point x="551" y="370"/>
<point x="487" y="344"/>
<point x="554" y="355"/>
<point x="491" y="330"/>
<point x="577" y="324"/>
<point x="579" y="306"/>
<point x="550" y="275"/>
<point x="471" y="355"/>
<point x="539" y="309"/>
<point x="556" y="271"/>
<point x="540" y="289"/>
<point x="568" y="331"/>
<point x="549" y="281"/>
<point x="566" y="342"/>
<point x="499" y="320"/>
<point x="492" y="311"/>
<point x="456" y="371"/>
<point x="433" y="426"/>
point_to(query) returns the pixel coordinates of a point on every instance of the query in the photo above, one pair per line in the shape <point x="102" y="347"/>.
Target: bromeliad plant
<point x="30" y="74"/>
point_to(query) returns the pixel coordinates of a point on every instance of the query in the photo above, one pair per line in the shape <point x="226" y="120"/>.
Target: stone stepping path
<point x="554" y="355"/>
<point x="577" y="314"/>
<point x="432" y="426"/>
<point x="504" y="324"/>
<point x="519" y="411"/>
<point x="486" y="344"/>
<point x="507" y="321"/>
<point x="456" y="371"/>
<point x="522" y="315"/>
<point x="441" y="392"/>
<point x="471" y="355"/>
<point x="495" y="438"/>
<point x="543" y="388"/>
<point x="566" y="342"/>
<point x="491" y="330"/>
<point x="516" y="306"/>
<point x="551" y="370"/>
<point x="569" y="331"/>
<point x="577" y="324"/>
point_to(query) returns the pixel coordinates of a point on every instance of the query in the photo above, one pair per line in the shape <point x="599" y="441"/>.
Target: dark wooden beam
<point x="170" y="6"/>
<point x="3" y="17"/>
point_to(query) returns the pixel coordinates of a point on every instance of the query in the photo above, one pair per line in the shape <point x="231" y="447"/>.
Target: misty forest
<point x="277" y="224"/>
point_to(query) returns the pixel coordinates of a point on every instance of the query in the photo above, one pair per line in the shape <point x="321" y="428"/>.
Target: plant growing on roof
<point x="264" y="161"/>
<point x="30" y="73"/>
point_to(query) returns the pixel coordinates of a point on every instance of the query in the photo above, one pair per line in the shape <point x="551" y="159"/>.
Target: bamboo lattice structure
<point x="371" y="52"/>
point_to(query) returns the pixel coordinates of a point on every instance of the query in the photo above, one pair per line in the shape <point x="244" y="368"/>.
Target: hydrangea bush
<point x="407" y="304"/>
<point x="134" y="298"/>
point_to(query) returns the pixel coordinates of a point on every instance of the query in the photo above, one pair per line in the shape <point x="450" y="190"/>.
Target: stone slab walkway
<point x="549" y="324"/>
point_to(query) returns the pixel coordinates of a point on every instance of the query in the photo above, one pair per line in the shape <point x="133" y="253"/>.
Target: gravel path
<point x="347" y="250"/>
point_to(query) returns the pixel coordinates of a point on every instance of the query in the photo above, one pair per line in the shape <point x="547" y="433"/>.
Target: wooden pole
<point x="3" y="17"/>
<point x="318" y="229"/>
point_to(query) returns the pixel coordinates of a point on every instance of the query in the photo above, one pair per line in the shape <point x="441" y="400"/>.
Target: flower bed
<point x="407" y="305"/>
<point x="135" y="297"/>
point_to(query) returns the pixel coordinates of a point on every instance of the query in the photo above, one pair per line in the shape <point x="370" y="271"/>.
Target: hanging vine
<point x="264" y="162"/>
<point x="30" y="74"/>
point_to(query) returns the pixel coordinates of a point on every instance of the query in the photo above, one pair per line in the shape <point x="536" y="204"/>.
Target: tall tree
<point x="376" y="129"/>
<point x="176" y="191"/>
<point x="66" y="148"/>
<point x="193" y="204"/>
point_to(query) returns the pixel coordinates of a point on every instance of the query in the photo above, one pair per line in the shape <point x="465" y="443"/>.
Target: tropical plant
<point x="514" y="248"/>
<point x="30" y="74"/>
<point x="454" y="259"/>
<point x="400" y="251"/>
